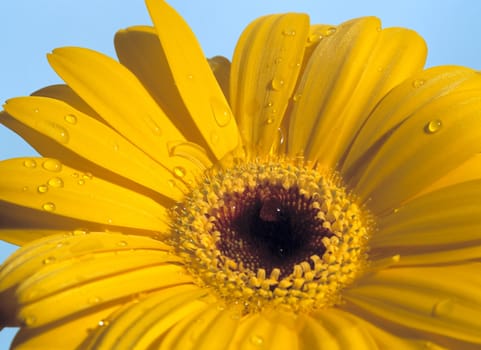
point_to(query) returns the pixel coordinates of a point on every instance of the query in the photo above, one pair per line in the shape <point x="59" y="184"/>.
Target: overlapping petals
<point x="122" y="142"/>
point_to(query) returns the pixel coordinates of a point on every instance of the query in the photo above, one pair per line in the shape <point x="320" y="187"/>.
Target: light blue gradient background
<point x="30" y="29"/>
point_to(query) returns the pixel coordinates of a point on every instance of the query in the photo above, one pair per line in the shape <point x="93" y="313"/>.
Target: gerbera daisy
<point x="323" y="190"/>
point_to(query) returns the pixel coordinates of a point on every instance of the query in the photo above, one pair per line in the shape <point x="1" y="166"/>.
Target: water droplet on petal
<point x="30" y="320"/>
<point x="214" y="138"/>
<point x="190" y="76"/>
<point x="52" y="165"/>
<point x="296" y="97"/>
<point x="433" y="126"/>
<point x="29" y="163"/>
<point x="418" y="83"/>
<point x="49" y="206"/>
<point x="94" y="300"/>
<point x="55" y="182"/>
<point x="42" y="189"/>
<point x="256" y="340"/>
<point x="329" y="31"/>
<point x="122" y="244"/>
<point x="49" y="260"/>
<point x="443" y="308"/>
<point x="289" y="32"/>
<point x="153" y="126"/>
<point x="277" y="84"/>
<point x="79" y="232"/>
<point x="116" y="147"/>
<point x="71" y="119"/>
<point x="25" y="188"/>
<point x="81" y="182"/>
<point x="221" y="112"/>
<point x="269" y="121"/>
<point x="179" y="171"/>
<point x="171" y="183"/>
<point x="103" y="323"/>
<point x="55" y="131"/>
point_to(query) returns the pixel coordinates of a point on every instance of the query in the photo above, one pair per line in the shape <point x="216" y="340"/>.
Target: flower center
<point x="272" y="233"/>
<point x="269" y="227"/>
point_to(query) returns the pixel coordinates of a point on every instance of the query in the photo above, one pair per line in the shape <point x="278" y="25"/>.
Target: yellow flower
<point x="322" y="191"/>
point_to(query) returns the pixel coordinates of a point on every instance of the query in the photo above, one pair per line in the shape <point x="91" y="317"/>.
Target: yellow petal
<point x="139" y="49"/>
<point x="400" y="104"/>
<point x="48" y="186"/>
<point x="346" y="76"/>
<point x="138" y="325"/>
<point x="60" y="335"/>
<point x="60" y="277"/>
<point x="94" y="141"/>
<point x="197" y="86"/>
<point x="209" y="329"/>
<point x="269" y="329"/>
<point x="435" y="140"/>
<point x="123" y="102"/>
<point x="441" y="300"/>
<point x="441" y="220"/>
<point x="467" y="171"/>
<point x="66" y="94"/>
<point x="221" y="68"/>
<point x="23" y="236"/>
<point x="265" y="66"/>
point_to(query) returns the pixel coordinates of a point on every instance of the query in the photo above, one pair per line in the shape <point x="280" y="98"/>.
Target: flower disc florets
<point x="272" y="233"/>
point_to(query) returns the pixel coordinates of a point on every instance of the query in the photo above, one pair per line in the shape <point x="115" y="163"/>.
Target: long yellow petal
<point x="59" y="335"/>
<point x="139" y="325"/>
<point x="123" y="102"/>
<point x="400" y="104"/>
<point x="346" y="76"/>
<point x="440" y="300"/>
<point x="266" y="63"/>
<point x="437" y="220"/>
<point x="139" y="49"/>
<point x="48" y="186"/>
<point x="194" y="79"/>
<point x="435" y="140"/>
<point x="23" y="236"/>
<point x="94" y="141"/>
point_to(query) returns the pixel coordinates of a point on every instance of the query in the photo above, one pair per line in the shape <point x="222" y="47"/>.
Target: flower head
<point x="320" y="191"/>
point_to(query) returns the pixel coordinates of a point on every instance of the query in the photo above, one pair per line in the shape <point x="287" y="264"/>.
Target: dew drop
<point x="49" y="206"/>
<point x="190" y="76"/>
<point x="314" y="37"/>
<point x="55" y="131"/>
<point x="214" y="138"/>
<point x="25" y="188"/>
<point x="418" y="83"/>
<point x="281" y="136"/>
<point x="29" y="163"/>
<point x="269" y="121"/>
<point x="30" y="320"/>
<point x="71" y="119"/>
<point x="296" y="97"/>
<point x="94" y="300"/>
<point x="55" y="182"/>
<point x="289" y="32"/>
<point x="171" y="183"/>
<point x="122" y="244"/>
<point x="221" y="113"/>
<point x="329" y="31"/>
<point x="42" y="189"/>
<point x="103" y="323"/>
<point x="49" y="260"/>
<point x="153" y="126"/>
<point x="52" y="165"/>
<point x="179" y="171"/>
<point x="277" y="84"/>
<point x="81" y="182"/>
<point x="256" y="340"/>
<point x="79" y="232"/>
<point x="116" y="147"/>
<point x="443" y="308"/>
<point x="433" y="126"/>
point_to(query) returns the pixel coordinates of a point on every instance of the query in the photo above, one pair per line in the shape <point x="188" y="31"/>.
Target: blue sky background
<point x="30" y="29"/>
